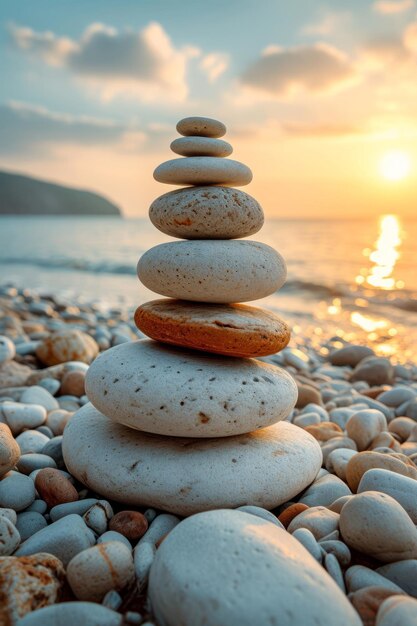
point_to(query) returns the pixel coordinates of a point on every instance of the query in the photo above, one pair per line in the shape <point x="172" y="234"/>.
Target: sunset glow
<point x="395" y="165"/>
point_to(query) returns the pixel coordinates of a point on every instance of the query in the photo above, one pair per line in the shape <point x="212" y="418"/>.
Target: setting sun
<point x="395" y="165"/>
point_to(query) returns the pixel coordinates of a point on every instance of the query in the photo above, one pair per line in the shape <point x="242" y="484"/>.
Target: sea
<point x="353" y="280"/>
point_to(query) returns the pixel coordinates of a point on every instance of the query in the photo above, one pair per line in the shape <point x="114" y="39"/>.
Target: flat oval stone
<point x="213" y="271"/>
<point x="227" y="567"/>
<point x="180" y="393"/>
<point x="201" y="126"/>
<point x="201" y="146"/>
<point x="203" y="171"/>
<point x="207" y="213"/>
<point x="228" y="329"/>
<point x="184" y="476"/>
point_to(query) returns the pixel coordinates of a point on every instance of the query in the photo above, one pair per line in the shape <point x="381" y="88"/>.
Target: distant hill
<point x="22" y="195"/>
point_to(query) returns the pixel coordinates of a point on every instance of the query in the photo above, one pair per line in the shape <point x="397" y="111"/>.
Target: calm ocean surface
<point x="356" y="279"/>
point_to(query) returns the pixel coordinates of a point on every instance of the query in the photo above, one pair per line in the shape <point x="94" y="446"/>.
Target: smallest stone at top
<point x="201" y="127"/>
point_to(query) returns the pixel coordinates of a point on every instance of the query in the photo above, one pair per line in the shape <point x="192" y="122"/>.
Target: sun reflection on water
<point x="384" y="256"/>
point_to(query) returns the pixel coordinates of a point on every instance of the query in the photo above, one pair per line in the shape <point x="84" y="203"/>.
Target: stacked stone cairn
<point x="190" y="419"/>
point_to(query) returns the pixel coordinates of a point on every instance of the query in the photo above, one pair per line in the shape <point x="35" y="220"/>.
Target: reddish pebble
<point x="73" y="384"/>
<point x="54" y="487"/>
<point x="131" y="524"/>
<point x="368" y="600"/>
<point x="292" y="511"/>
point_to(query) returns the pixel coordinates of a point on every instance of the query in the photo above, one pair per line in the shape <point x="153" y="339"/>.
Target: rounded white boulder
<point x="201" y="395"/>
<point x="229" y="567"/>
<point x="213" y="271"/>
<point x="184" y="476"/>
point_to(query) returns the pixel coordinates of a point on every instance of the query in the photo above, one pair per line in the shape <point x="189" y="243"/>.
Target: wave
<point x="78" y="265"/>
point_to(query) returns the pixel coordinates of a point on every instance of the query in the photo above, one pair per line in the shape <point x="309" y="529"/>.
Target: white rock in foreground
<point x="182" y="393"/>
<point x="184" y="476"/>
<point x="227" y="567"/>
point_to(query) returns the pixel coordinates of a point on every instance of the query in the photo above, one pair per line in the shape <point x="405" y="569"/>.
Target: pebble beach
<point x="195" y="461"/>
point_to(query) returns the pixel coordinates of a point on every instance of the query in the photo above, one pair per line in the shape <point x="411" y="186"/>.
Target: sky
<point x="314" y="95"/>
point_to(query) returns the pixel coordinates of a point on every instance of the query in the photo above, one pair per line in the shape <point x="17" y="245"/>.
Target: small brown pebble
<point x="306" y="395"/>
<point x="291" y="512"/>
<point x="54" y="487"/>
<point x="368" y="600"/>
<point x="324" y="431"/>
<point x="73" y="384"/>
<point x="131" y="524"/>
<point x="374" y="392"/>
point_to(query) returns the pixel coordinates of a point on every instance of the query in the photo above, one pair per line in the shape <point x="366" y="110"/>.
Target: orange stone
<point x="54" y="487"/>
<point x="131" y="524"/>
<point x="291" y="512"/>
<point x="229" y="329"/>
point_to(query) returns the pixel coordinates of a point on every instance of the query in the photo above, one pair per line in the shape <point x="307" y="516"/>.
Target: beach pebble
<point x="308" y="540"/>
<point x="28" y="523"/>
<point x="9" y="537"/>
<point x="265" y="467"/>
<point x="360" y="577"/>
<point x="201" y="146"/>
<point x="112" y="535"/>
<point x="50" y="384"/>
<point x="70" y="613"/>
<point x="375" y="524"/>
<point x="203" y="171"/>
<point x="131" y="524"/>
<point x="112" y="600"/>
<point x="212" y="271"/>
<point x="339" y="549"/>
<point x="58" y="419"/>
<point x="332" y="567"/>
<point x="38" y="506"/>
<point x="324" y="431"/>
<point x="325" y="490"/>
<point x="337" y="443"/>
<point x="206" y="213"/>
<point x="201" y="127"/>
<point x="28" y="584"/>
<point x="20" y="416"/>
<point x="97" y="570"/>
<point x="54" y="488"/>
<point x="397" y="611"/>
<point x="98" y="516"/>
<point x="232" y="330"/>
<point x="374" y="370"/>
<point x="53" y="448"/>
<point x="73" y="383"/>
<point x="364" y="461"/>
<point x="306" y="419"/>
<point x="10" y="514"/>
<point x="39" y="396"/>
<point x="337" y="460"/>
<point x="33" y="461"/>
<point x="145" y="550"/>
<point x="290" y="512"/>
<point x="260" y="512"/>
<point x="350" y="355"/>
<point x="31" y="441"/>
<point x="9" y="450"/>
<point x="403" y="574"/>
<point x="364" y="426"/>
<point x="411" y="410"/>
<point x="78" y="507"/>
<point x="367" y="602"/>
<point x="7" y="349"/>
<point x="203" y="395"/>
<point x="17" y="491"/>
<point x="402" y="426"/>
<point x="307" y="395"/>
<point x="230" y="552"/>
<point x="64" y="539"/>
<point x="396" y="396"/>
<point x="13" y="374"/>
<point x="401" y="488"/>
<point x="318" y="519"/>
<point x="67" y="345"/>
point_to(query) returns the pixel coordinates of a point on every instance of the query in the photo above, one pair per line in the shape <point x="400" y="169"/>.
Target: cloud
<point x="317" y="68"/>
<point x="214" y="64"/>
<point x="391" y="7"/>
<point x="410" y="37"/>
<point x="384" y="51"/>
<point x="27" y="128"/>
<point x="327" y="24"/>
<point x="307" y="129"/>
<point x="144" y="64"/>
